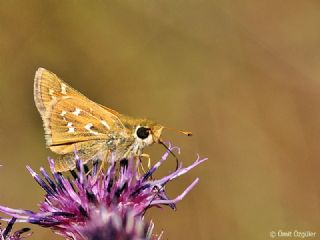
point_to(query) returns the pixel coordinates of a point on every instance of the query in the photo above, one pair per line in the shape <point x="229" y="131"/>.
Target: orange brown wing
<point x="48" y="87"/>
<point x="68" y="116"/>
<point x="69" y="120"/>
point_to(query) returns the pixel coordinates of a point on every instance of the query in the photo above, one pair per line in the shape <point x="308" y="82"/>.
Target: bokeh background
<point x="244" y="76"/>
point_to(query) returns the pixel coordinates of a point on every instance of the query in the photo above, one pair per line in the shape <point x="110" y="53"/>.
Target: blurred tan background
<point x="243" y="76"/>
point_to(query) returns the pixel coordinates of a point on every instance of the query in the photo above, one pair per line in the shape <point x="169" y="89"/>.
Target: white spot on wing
<point x="77" y="111"/>
<point x="63" y="88"/>
<point x="63" y="113"/>
<point x="104" y="123"/>
<point x="70" y="127"/>
<point x="51" y="92"/>
<point x="88" y="127"/>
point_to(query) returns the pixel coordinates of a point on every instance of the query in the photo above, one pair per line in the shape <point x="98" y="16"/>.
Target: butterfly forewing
<point x="72" y="121"/>
<point x="48" y="87"/>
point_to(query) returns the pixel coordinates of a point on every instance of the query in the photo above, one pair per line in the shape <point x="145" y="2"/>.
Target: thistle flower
<point x="107" y="224"/>
<point x="114" y="200"/>
<point x="6" y="235"/>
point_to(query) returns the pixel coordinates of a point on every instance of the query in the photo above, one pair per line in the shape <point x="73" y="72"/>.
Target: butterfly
<point x="73" y="122"/>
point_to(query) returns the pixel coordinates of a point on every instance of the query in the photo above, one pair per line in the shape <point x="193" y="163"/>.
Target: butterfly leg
<point x="100" y="157"/>
<point x="144" y="155"/>
<point x="88" y="172"/>
<point x="147" y="156"/>
<point x="104" y="161"/>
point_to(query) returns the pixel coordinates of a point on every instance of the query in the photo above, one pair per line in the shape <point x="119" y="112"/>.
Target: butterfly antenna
<point x="180" y="131"/>
<point x="166" y="147"/>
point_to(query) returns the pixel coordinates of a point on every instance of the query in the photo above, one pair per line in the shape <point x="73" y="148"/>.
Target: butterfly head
<point x="148" y="133"/>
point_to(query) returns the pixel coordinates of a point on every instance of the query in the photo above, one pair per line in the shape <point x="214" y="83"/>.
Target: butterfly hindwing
<point x="95" y="149"/>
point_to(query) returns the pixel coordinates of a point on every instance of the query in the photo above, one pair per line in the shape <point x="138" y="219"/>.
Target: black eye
<point x="143" y="132"/>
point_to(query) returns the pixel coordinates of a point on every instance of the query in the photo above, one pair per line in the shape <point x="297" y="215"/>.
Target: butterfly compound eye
<point x="143" y="132"/>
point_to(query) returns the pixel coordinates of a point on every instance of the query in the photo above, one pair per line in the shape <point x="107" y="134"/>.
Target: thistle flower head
<point x="113" y="200"/>
<point x="107" y="224"/>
